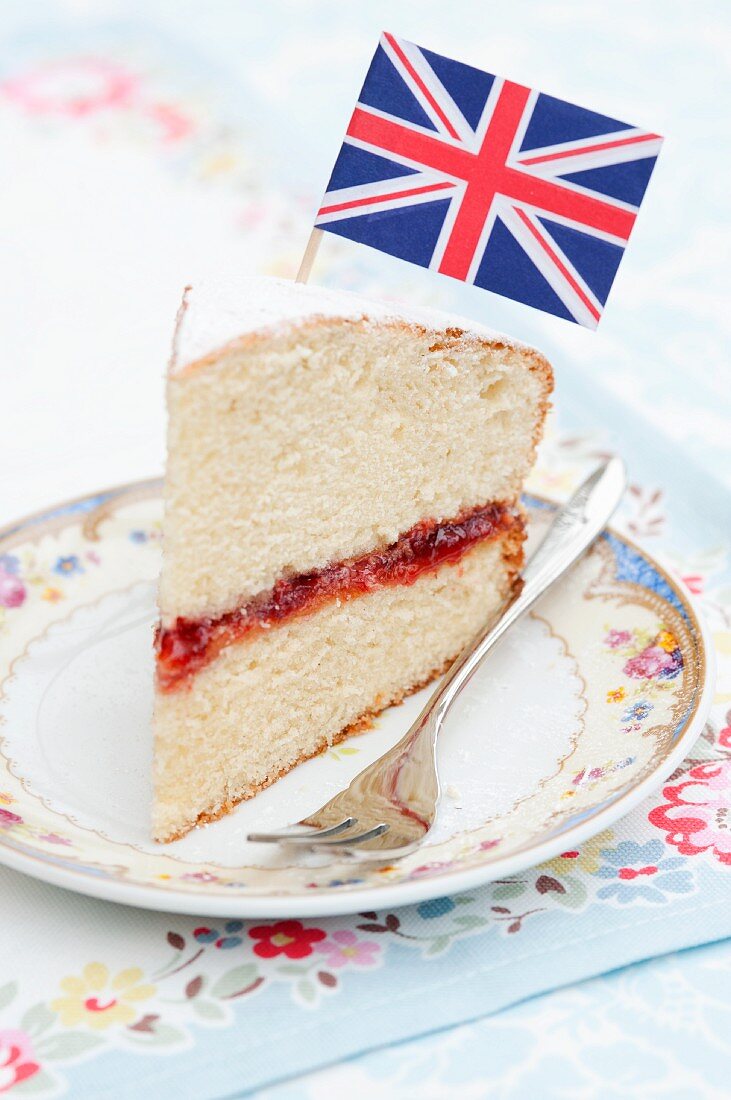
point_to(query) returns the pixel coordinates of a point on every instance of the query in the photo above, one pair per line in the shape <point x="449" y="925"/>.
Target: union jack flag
<point x="477" y="177"/>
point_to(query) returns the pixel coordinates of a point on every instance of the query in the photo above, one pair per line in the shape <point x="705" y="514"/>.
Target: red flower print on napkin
<point x="697" y="815"/>
<point x="286" y="937"/>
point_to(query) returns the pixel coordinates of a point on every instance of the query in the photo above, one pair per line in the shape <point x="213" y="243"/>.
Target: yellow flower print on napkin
<point x="95" y="1001"/>
<point x="586" y="858"/>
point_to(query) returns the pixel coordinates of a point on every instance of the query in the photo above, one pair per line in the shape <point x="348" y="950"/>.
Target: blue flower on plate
<point x="436" y="907"/>
<point x="66" y="567"/>
<point x="637" y="712"/>
<point x="9" y="563"/>
<point x="223" y="942"/>
<point x="642" y="872"/>
<point x="138" y="536"/>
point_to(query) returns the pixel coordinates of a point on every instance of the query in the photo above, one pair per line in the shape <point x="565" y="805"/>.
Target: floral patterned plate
<point x="588" y="704"/>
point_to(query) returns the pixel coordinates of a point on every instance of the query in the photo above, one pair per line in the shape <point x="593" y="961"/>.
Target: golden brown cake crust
<point x="451" y="338"/>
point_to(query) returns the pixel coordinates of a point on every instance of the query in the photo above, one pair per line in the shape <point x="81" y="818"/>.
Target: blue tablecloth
<point x="202" y="134"/>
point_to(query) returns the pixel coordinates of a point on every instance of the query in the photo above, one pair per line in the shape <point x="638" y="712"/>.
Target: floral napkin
<point x="102" y="1000"/>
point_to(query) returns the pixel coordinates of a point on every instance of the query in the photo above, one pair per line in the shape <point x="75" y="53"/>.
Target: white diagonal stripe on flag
<point x="440" y="94"/>
<point x="561" y="219"/>
<point x="487" y="112"/>
<point x="577" y="297"/>
<point x="604" y="158"/>
<point x="523" y="124"/>
<point x="493" y="214"/>
<point x="641" y="143"/>
<point x="390" y="194"/>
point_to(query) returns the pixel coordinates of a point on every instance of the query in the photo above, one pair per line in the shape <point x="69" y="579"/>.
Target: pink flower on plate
<point x="343" y="948"/>
<point x="617" y="638"/>
<point x="16" y="1059"/>
<point x="54" y="838"/>
<point x="653" y="661"/>
<point x="697" y="815"/>
<point x="430" y="868"/>
<point x="8" y="819"/>
<point x="12" y="590"/>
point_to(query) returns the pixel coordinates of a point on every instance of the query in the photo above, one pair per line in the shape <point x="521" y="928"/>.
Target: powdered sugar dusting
<point x="213" y="314"/>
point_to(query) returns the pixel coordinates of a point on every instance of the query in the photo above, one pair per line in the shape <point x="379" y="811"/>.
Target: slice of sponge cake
<point x="341" y="516"/>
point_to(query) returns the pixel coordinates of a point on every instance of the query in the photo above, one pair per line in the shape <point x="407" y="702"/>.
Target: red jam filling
<point x="189" y="644"/>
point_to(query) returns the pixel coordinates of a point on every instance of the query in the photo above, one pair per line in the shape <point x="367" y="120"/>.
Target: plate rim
<point x="408" y="892"/>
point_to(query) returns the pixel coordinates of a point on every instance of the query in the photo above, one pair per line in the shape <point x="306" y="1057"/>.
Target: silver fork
<point x="390" y="806"/>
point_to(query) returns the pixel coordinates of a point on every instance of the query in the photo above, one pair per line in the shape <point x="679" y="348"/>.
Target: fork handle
<point x="573" y="530"/>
